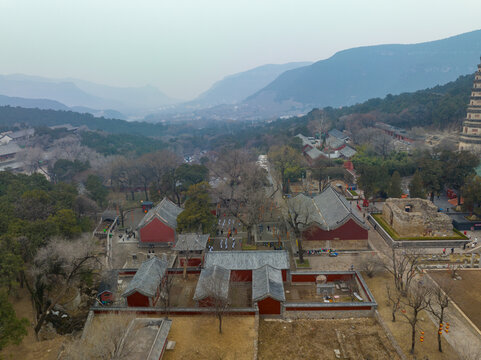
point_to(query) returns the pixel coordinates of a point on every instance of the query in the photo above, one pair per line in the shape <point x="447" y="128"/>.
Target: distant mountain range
<point x="46" y="104"/>
<point x="84" y="95"/>
<point x="235" y="88"/>
<point x="355" y="75"/>
<point x="269" y="91"/>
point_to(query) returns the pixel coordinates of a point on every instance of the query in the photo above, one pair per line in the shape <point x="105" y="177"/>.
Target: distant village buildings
<point x="470" y="137"/>
<point x="334" y="147"/>
<point x="11" y="143"/>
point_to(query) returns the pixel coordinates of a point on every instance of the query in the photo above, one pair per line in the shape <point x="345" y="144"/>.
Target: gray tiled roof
<point x="213" y="280"/>
<point x="334" y="143"/>
<point x="22" y="133"/>
<point x="336" y="133"/>
<point x="305" y="140"/>
<point x="147" y="278"/>
<point x="10" y="148"/>
<point x="108" y="282"/>
<point x="109" y="215"/>
<point x="329" y="210"/>
<point x="314" y="153"/>
<point x="248" y="260"/>
<point x="166" y="211"/>
<point x="348" y="152"/>
<point x="267" y="282"/>
<point x="191" y="242"/>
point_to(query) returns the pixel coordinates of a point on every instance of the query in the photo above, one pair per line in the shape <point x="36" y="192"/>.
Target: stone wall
<point x="328" y="314"/>
<point x="422" y="220"/>
<point x="336" y="244"/>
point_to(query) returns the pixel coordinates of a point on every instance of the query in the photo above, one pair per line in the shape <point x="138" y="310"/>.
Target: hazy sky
<point x="183" y="46"/>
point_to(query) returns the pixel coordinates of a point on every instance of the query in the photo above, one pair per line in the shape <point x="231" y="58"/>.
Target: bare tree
<point x="187" y="256"/>
<point x="351" y="284"/>
<point x="402" y="266"/>
<point x="85" y="206"/>
<point x="298" y="219"/>
<point x="120" y="176"/>
<point x="370" y="265"/>
<point x="242" y="191"/>
<point x="55" y="269"/>
<point x="104" y="340"/>
<point x="165" y="292"/>
<point x="143" y="174"/>
<point x="416" y="300"/>
<point x="216" y="291"/>
<point x="394" y="300"/>
<point x="438" y="303"/>
<point x="33" y="158"/>
<point x="383" y="144"/>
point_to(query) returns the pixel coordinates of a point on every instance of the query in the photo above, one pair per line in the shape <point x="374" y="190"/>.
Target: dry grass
<point x="197" y="337"/>
<point x="401" y="328"/>
<point x="466" y="293"/>
<point x="317" y="339"/>
<point x="30" y="348"/>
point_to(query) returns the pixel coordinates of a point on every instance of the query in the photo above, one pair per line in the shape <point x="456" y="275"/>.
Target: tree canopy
<point x="196" y="216"/>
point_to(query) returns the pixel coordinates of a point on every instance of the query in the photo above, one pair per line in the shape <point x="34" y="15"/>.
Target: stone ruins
<point x="416" y="217"/>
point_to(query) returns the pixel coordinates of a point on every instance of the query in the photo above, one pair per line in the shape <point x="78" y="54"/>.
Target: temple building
<point x="470" y="138"/>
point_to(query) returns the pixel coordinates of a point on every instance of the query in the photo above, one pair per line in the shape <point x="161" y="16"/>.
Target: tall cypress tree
<point x="416" y="189"/>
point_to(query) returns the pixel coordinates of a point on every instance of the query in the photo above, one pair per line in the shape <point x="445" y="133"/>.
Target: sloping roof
<point x="166" y="211"/>
<point x="109" y="215"/>
<point x="145" y="339"/>
<point x="22" y="133"/>
<point x="348" y="152"/>
<point x="334" y="143"/>
<point x="314" y="153"/>
<point x="338" y="134"/>
<point x="305" y="140"/>
<point x="147" y="278"/>
<point x="67" y="127"/>
<point x="191" y="242"/>
<point x="248" y="260"/>
<point x="267" y="282"/>
<point x="213" y="280"/>
<point x="10" y="148"/>
<point x="329" y="210"/>
<point x="108" y="282"/>
<point x="13" y="165"/>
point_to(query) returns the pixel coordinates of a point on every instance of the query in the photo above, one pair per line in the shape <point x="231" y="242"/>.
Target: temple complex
<point x="470" y="138"/>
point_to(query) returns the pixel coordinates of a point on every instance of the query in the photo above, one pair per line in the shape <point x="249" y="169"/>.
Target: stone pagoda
<point x="470" y="138"/>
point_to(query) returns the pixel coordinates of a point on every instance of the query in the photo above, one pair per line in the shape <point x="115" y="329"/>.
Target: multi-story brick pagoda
<point x="470" y="138"/>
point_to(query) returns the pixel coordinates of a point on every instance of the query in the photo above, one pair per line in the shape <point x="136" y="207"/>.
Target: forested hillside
<point x="36" y="117"/>
<point x="439" y="107"/>
<point x="358" y="74"/>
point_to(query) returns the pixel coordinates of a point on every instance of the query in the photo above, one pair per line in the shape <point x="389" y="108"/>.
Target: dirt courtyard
<point x="317" y="339"/>
<point x="466" y="293"/>
<point x="401" y="328"/>
<point x="197" y="337"/>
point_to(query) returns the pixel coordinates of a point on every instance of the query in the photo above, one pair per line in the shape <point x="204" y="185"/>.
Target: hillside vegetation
<point x="356" y="75"/>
